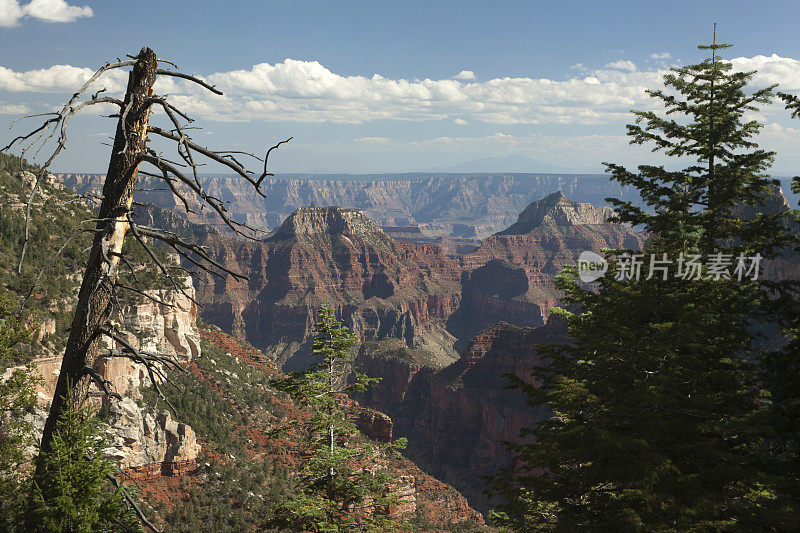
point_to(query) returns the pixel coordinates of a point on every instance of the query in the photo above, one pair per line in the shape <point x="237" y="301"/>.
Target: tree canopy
<point x="659" y="414"/>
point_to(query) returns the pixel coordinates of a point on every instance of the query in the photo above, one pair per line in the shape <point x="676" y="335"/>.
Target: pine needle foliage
<point x="659" y="417"/>
<point x="74" y="494"/>
<point x="17" y="395"/>
<point x="340" y="486"/>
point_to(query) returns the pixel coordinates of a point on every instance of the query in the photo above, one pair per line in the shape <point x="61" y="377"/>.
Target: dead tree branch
<point x="101" y="382"/>
<point x="59" y="121"/>
<point x="193" y="79"/>
<point x="147" y="362"/>
<point x="266" y="160"/>
<point x="132" y="504"/>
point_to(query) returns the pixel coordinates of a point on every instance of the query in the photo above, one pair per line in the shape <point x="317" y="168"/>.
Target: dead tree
<point x="98" y="292"/>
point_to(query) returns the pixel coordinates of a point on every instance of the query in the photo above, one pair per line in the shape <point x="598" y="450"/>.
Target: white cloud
<point x="774" y="135"/>
<point x="661" y="55"/>
<point x="622" y="64"/>
<point x="56" y="11"/>
<point x="784" y="71"/>
<point x="465" y="75"/>
<point x="307" y="91"/>
<point x="460" y="121"/>
<point x="57" y="78"/>
<point x="13" y="109"/>
<point x="11" y="12"/>
<point x="375" y="140"/>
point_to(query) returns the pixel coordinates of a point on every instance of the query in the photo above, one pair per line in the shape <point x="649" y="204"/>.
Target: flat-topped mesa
<point x="308" y="221"/>
<point x="557" y="210"/>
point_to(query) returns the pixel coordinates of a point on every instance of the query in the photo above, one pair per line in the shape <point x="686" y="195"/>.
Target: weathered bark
<point x="94" y="300"/>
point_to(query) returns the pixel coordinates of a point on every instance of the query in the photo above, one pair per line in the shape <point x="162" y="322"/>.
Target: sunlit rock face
<point x="168" y="327"/>
<point x="138" y="438"/>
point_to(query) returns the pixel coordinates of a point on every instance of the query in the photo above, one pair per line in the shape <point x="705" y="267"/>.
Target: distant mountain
<point x="507" y="163"/>
<point x="467" y="205"/>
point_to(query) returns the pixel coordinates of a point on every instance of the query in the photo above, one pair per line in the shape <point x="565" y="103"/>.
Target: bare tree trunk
<point x="94" y="300"/>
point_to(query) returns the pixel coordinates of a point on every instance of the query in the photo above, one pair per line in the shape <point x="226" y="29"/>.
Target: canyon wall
<point x="456" y="418"/>
<point x="379" y="287"/>
<point x="473" y="206"/>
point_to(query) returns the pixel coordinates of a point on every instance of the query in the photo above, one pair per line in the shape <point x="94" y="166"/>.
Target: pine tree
<point x="657" y="413"/>
<point x="338" y="487"/>
<point x="17" y="394"/>
<point x="781" y="375"/>
<point x="73" y="493"/>
<point x="792" y="102"/>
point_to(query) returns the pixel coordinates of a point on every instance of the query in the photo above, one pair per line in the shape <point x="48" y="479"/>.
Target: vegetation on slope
<point x="228" y="400"/>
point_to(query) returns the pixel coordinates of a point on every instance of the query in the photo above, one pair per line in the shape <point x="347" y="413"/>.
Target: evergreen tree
<point x="657" y="413"/>
<point x="781" y="375"/>
<point x="792" y="102"/>
<point x="339" y="487"/>
<point x="17" y="394"/>
<point x="74" y="494"/>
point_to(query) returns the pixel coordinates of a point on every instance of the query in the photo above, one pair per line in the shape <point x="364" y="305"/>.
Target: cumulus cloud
<point x="784" y="71"/>
<point x="622" y="64"/>
<point x="465" y="75"/>
<point x="13" y="109"/>
<point x="11" y="11"/>
<point x="661" y="55"/>
<point x="307" y="91"/>
<point x="56" y="78"/>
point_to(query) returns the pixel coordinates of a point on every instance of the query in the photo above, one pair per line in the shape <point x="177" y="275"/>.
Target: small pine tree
<point x="657" y="413"/>
<point x="73" y="493"/>
<point x="338" y="487"/>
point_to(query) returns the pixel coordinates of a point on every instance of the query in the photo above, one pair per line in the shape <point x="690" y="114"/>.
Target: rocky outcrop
<point x="139" y="438"/>
<point x="511" y="276"/>
<point x="168" y="327"/>
<point x="557" y="210"/>
<point x="375" y="425"/>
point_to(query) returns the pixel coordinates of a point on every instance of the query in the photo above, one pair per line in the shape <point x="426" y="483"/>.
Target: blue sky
<point x="397" y="86"/>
